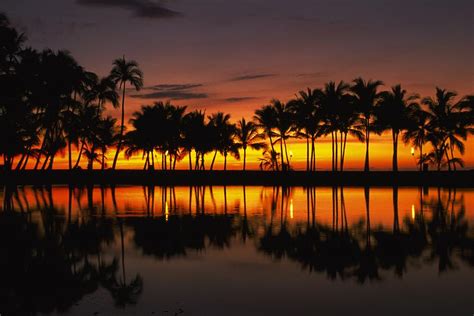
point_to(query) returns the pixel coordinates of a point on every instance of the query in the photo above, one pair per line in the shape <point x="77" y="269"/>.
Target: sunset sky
<point x="235" y="56"/>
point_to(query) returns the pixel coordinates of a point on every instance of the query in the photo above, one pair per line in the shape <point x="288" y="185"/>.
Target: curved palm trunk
<point x="122" y="126"/>
<point x="273" y="149"/>
<point x="79" y="156"/>
<point x="225" y="161"/>
<point x="286" y="154"/>
<point x="245" y="156"/>
<point x="213" y="160"/>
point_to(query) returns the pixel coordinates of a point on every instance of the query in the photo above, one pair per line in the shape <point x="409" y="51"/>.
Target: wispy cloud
<point x="239" y="99"/>
<point x="139" y="8"/>
<point x="252" y="77"/>
<point x="173" y="92"/>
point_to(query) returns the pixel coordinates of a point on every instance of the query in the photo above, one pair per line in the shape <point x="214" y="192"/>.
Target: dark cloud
<point x="139" y="8"/>
<point x="171" y="95"/>
<point x="239" y="99"/>
<point x="175" y="87"/>
<point x="252" y="77"/>
<point x="173" y="92"/>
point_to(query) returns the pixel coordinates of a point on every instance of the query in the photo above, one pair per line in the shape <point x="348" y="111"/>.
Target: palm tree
<point x="269" y="160"/>
<point x="450" y="122"/>
<point x="125" y="72"/>
<point x="283" y="128"/>
<point x="366" y="97"/>
<point x="393" y="113"/>
<point x="248" y="135"/>
<point x="337" y="113"/>
<point x="194" y="132"/>
<point x="306" y="111"/>
<point x="222" y="137"/>
<point x="102" y="91"/>
<point x="417" y="130"/>
<point x="266" y="120"/>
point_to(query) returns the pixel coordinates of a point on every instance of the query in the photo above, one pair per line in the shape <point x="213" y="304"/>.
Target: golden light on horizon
<point x="413" y="211"/>
<point x="413" y="151"/>
<point x="167" y="213"/>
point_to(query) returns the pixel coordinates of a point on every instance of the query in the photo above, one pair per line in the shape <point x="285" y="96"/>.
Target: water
<point x="236" y="251"/>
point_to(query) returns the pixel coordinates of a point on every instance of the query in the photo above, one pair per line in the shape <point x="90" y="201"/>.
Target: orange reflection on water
<point x="326" y="205"/>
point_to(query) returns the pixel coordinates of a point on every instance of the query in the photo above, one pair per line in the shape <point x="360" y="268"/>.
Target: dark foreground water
<point x="236" y="251"/>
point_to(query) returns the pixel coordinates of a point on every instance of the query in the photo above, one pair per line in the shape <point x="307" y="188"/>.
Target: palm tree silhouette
<point x="308" y="118"/>
<point x="366" y="98"/>
<point x="248" y="135"/>
<point x="125" y="72"/>
<point x="417" y="130"/>
<point x="449" y="124"/>
<point x="194" y="131"/>
<point x="266" y="120"/>
<point x="222" y="134"/>
<point x="393" y="113"/>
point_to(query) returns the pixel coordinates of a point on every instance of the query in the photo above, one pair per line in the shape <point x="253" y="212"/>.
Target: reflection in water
<point x="61" y="244"/>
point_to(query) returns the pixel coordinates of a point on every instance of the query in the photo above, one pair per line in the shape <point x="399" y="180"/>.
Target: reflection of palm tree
<point x="125" y="72"/>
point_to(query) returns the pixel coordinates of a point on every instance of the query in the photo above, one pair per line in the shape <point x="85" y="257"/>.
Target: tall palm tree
<point x="418" y="129"/>
<point x="248" y="135"/>
<point x="125" y="72"/>
<point x="392" y="113"/>
<point x="266" y="120"/>
<point x="308" y="120"/>
<point x="283" y="128"/>
<point x="335" y="103"/>
<point x="194" y="133"/>
<point x="366" y="97"/>
<point x="222" y="136"/>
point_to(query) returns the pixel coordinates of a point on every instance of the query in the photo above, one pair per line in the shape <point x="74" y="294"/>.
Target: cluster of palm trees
<point x="50" y="104"/>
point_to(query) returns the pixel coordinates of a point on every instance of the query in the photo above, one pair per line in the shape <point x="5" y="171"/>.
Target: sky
<point x="235" y="56"/>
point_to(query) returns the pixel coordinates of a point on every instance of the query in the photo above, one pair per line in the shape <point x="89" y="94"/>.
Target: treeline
<point x="49" y="105"/>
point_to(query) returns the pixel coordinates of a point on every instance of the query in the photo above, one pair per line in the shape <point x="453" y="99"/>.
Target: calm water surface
<point x="236" y="251"/>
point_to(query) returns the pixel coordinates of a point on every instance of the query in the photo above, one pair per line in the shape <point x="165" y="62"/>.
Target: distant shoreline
<point x="234" y="177"/>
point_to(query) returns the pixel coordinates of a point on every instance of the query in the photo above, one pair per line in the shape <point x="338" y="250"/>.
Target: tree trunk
<point x="245" y="156"/>
<point x="122" y="126"/>
<point x="225" y="161"/>
<point x="307" y="153"/>
<point x="273" y="148"/>
<point x="79" y="156"/>
<point x="395" y="151"/>
<point x="281" y="153"/>
<point x="213" y="160"/>
<point x="367" y="141"/>
<point x="69" y="148"/>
